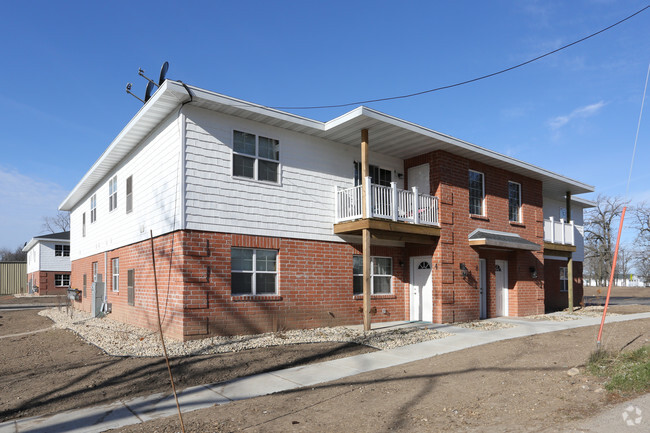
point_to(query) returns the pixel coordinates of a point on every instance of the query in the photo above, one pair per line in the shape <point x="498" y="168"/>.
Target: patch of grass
<point x="627" y="372"/>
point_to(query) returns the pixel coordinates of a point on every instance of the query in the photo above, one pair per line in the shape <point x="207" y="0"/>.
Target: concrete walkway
<point x="141" y="409"/>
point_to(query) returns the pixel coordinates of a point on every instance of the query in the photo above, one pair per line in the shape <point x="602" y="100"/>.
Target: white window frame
<point x="83" y="224"/>
<point x="519" y="216"/>
<point x="256" y="159"/>
<point x="469" y="190"/>
<point x="61" y="250"/>
<point x="254" y="272"/>
<point x="372" y="275"/>
<point x="115" y="269"/>
<point x="112" y="194"/>
<point x="60" y="280"/>
<point x="564" y="279"/>
<point x="93" y="208"/>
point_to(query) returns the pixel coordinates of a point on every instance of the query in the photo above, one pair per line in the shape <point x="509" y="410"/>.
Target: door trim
<point x="426" y="294"/>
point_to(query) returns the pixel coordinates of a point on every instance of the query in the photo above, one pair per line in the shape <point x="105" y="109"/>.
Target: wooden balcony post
<point x="365" y="198"/>
<point x="570" y="261"/>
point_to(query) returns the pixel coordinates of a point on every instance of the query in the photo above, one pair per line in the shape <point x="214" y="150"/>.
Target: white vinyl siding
<point x="301" y="206"/>
<point x="49" y="261"/>
<point x="157" y="164"/>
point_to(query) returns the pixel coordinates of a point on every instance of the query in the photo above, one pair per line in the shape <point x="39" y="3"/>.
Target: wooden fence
<point x="13" y="278"/>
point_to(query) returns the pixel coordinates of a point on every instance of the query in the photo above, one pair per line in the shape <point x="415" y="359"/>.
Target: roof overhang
<point x="64" y="239"/>
<point x="496" y="239"/>
<point x="387" y="135"/>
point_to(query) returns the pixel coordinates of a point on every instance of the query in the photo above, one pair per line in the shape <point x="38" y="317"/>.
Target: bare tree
<point x="57" y="223"/>
<point x="624" y="262"/>
<point x="599" y="237"/>
<point x="6" y="255"/>
<point x="642" y="250"/>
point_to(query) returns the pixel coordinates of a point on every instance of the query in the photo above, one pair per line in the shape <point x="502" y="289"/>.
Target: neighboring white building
<point x="48" y="263"/>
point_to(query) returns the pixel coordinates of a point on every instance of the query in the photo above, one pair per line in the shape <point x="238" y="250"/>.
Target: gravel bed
<point x="484" y="325"/>
<point x="565" y="315"/>
<point x="119" y="339"/>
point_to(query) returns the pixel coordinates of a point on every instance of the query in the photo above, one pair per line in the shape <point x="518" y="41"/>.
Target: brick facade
<point x="45" y="281"/>
<point x="555" y="298"/>
<point x="315" y="279"/>
<point x="314" y="285"/>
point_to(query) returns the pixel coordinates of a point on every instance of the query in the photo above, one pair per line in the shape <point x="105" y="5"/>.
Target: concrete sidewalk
<point x="141" y="409"/>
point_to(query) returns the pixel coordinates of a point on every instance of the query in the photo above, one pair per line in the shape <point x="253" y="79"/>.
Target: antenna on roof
<point x="163" y="73"/>
<point x="128" y="90"/>
<point x="150" y="83"/>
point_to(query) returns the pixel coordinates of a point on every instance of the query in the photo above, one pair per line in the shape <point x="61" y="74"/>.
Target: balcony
<point x="559" y="235"/>
<point x="392" y="213"/>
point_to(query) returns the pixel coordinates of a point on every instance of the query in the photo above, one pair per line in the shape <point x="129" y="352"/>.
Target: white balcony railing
<point x="559" y="232"/>
<point x="386" y="202"/>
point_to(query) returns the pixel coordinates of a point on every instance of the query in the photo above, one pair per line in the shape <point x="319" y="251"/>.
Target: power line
<point x="483" y="77"/>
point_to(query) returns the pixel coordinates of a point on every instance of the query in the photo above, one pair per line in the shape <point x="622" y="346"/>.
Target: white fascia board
<point x="123" y="143"/>
<point x="583" y="202"/>
<point x="34" y="241"/>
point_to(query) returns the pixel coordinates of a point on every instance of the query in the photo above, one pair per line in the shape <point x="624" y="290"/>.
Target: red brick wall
<point x="555" y="299"/>
<point x="314" y="285"/>
<point x="46" y="282"/>
<point x="456" y="298"/>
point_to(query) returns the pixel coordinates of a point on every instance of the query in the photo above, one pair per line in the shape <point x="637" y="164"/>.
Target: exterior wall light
<point x="533" y="272"/>
<point x="463" y="269"/>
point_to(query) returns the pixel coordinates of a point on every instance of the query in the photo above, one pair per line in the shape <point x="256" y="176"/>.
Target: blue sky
<point x="65" y="66"/>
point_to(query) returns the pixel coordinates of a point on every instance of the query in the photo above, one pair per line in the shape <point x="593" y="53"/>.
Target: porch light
<point x="533" y="272"/>
<point x="463" y="269"/>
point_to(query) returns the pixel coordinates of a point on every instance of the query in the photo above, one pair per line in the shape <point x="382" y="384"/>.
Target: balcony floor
<point x="558" y="248"/>
<point x="391" y="230"/>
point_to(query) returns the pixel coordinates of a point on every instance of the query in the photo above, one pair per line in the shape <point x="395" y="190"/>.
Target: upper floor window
<point x="255" y="157"/>
<point x="476" y="193"/>
<point x="514" y="201"/>
<point x="62" y="250"/>
<point x="381" y="271"/>
<point x="83" y="224"/>
<point x="93" y="208"/>
<point x="378" y="176"/>
<point x="112" y="194"/>
<point x="254" y="272"/>
<point x="129" y="194"/>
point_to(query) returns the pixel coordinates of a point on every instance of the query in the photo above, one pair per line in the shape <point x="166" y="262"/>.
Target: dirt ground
<point x="518" y="385"/>
<point x="31" y="300"/>
<point x="643" y="292"/>
<point x="51" y="371"/>
<point x="497" y="387"/>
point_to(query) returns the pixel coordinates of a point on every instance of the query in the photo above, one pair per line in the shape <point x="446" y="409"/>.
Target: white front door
<point x="501" y="287"/>
<point x="483" y="288"/>
<point x="421" y="296"/>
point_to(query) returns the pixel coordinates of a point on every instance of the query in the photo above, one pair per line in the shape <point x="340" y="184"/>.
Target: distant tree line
<point x="601" y="229"/>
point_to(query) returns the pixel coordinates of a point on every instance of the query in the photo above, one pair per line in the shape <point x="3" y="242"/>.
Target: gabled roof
<point x="387" y="135"/>
<point x="63" y="237"/>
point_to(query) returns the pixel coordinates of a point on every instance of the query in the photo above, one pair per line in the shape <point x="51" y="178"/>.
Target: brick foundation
<point x="46" y="284"/>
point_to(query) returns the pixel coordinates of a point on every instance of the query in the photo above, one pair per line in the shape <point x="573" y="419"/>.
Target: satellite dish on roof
<point x="163" y="73"/>
<point x="147" y="92"/>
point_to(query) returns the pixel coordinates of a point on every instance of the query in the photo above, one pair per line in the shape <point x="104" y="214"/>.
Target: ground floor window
<point x="381" y="271"/>
<point x="564" y="279"/>
<point x="116" y="274"/>
<point x="61" y="280"/>
<point x="254" y="271"/>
